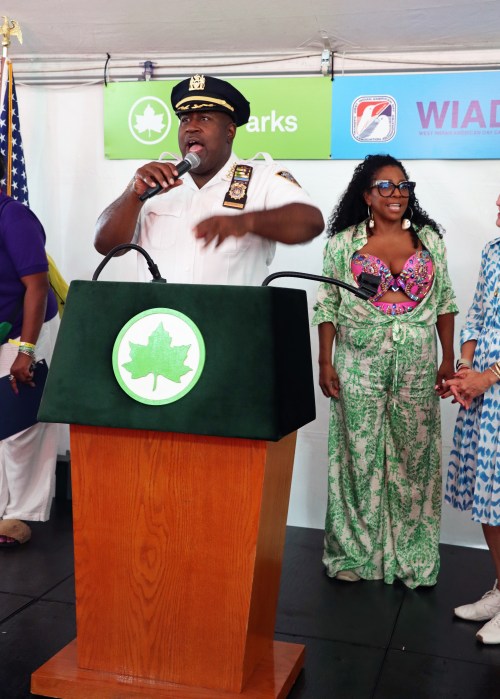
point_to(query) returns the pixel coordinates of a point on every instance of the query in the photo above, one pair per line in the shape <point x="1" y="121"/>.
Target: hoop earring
<point x="371" y="222"/>
<point x="406" y="222"/>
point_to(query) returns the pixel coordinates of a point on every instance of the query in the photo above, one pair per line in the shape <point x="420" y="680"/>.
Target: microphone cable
<point x="368" y="283"/>
<point x="153" y="268"/>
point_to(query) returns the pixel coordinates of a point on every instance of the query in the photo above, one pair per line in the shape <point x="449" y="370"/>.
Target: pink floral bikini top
<point x="415" y="279"/>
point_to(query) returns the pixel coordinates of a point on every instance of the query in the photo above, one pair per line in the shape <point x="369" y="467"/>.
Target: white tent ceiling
<point x="275" y="30"/>
<point x="221" y="26"/>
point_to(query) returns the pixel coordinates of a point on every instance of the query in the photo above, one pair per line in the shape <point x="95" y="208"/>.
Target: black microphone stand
<point x="153" y="268"/>
<point x="368" y="283"/>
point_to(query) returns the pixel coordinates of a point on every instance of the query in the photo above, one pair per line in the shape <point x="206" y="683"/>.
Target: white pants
<point x="28" y="458"/>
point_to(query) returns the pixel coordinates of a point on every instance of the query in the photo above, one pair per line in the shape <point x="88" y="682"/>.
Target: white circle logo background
<point x="137" y="330"/>
<point x="164" y="110"/>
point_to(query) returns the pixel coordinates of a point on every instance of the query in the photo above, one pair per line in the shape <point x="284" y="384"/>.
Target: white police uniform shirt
<point x="166" y="223"/>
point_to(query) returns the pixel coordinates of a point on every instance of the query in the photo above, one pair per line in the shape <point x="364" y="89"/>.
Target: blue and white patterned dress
<point x="473" y="481"/>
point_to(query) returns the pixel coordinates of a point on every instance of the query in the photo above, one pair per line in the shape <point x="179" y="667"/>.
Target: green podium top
<point x="228" y="361"/>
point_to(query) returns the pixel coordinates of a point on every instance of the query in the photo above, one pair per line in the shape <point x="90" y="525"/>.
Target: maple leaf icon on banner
<point x="158" y="357"/>
<point x="149" y="121"/>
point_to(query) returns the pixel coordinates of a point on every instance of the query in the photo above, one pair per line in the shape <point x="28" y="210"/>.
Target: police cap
<point x="203" y="92"/>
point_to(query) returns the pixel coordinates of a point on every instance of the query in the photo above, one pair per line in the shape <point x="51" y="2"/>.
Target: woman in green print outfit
<point x="384" y="483"/>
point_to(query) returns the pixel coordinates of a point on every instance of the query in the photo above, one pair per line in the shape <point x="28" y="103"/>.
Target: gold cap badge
<point x="197" y="82"/>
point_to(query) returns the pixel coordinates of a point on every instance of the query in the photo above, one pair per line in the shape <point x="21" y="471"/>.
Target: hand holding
<point x="469" y="384"/>
<point x="445" y="371"/>
<point x="443" y="390"/>
<point x="152" y="174"/>
<point x="21" y="371"/>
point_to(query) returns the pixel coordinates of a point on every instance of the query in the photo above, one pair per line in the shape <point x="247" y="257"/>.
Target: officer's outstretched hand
<point x="219" y="228"/>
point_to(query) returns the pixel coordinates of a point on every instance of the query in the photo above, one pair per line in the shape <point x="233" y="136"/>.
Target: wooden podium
<point x="180" y="509"/>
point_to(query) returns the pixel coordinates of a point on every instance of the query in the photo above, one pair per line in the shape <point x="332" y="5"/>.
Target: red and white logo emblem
<point x="373" y="118"/>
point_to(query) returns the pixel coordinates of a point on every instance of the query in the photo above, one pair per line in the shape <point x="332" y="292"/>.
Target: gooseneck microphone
<point x="191" y="160"/>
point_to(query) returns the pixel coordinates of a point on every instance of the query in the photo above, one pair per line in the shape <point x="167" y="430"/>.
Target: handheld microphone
<point x="191" y="160"/>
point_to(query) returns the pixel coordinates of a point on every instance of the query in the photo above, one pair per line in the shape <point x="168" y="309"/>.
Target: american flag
<point x="11" y="145"/>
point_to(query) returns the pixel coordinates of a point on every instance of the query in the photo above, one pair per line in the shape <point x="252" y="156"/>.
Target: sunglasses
<point x="386" y="188"/>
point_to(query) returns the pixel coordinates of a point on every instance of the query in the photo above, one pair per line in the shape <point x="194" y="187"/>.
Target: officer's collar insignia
<point x="229" y="174"/>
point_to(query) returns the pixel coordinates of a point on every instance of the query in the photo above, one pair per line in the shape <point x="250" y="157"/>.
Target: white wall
<point x="70" y="183"/>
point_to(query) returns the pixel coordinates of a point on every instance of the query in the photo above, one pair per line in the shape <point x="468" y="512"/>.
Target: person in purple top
<point x="28" y="458"/>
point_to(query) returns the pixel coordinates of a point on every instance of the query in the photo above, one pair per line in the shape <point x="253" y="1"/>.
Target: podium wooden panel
<point x="178" y="550"/>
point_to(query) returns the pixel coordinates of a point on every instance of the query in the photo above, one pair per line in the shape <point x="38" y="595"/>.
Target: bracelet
<point x="494" y="370"/>
<point x="463" y="362"/>
<point x="31" y="352"/>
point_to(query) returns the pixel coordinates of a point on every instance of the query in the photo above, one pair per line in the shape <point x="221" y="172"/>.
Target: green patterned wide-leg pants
<point x="384" y="483"/>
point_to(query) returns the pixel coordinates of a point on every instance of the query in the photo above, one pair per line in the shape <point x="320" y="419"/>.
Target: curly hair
<point x="352" y="209"/>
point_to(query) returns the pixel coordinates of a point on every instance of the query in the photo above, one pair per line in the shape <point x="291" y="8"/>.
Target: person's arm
<point x="328" y="377"/>
<point x="470" y="332"/>
<point x="116" y="225"/>
<point x="35" y="303"/>
<point x="445" y="326"/>
<point x="326" y="317"/>
<point x="466" y="355"/>
<point x="290" y="224"/>
<point x="474" y="320"/>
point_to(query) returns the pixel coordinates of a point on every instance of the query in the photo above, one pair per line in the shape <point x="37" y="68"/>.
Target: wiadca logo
<point x="373" y="119"/>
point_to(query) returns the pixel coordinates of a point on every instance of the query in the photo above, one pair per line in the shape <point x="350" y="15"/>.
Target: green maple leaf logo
<point x="158" y="357"/>
<point x="149" y="121"/>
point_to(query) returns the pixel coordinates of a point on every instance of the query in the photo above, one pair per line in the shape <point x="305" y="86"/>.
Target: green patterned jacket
<point x="340" y="307"/>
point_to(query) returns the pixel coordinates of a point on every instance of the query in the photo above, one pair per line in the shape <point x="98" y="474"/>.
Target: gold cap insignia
<point x="197" y="82"/>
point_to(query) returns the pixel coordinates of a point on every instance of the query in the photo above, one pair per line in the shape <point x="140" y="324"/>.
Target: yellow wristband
<point x="18" y="343"/>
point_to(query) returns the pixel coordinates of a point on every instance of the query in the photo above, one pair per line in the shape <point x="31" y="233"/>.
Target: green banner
<point x="290" y="119"/>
